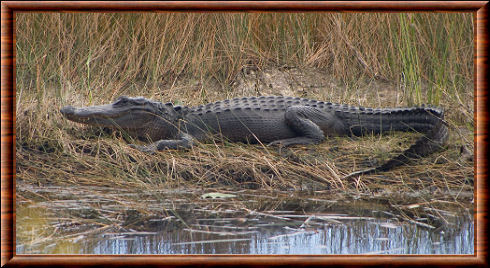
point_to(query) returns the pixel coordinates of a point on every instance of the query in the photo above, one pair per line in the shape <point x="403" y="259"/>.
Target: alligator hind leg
<point x="185" y="141"/>
<point x="299" y="120"/>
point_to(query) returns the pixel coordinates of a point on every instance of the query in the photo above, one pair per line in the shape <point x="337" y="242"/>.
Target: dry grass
<point x="105" y="55"/>
<point x="372" y="59"/>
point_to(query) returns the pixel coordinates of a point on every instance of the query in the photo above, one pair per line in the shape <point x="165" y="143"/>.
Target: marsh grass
<point x="84" y="59"/>
<point x="139" y="52"/>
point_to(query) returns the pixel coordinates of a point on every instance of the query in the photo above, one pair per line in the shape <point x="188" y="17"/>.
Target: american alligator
<point x="276" y="120"/>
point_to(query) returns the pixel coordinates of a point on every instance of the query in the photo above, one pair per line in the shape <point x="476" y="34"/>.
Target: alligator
<point x="274" y="120"/>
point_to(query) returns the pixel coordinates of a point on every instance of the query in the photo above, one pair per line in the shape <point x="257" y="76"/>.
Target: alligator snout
<point x="67" y="110"/>
<point x="76" y="114"/>
<point x="70" y="113"/>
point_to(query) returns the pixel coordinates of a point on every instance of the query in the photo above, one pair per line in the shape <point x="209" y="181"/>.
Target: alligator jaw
<point x="104" y="116"/>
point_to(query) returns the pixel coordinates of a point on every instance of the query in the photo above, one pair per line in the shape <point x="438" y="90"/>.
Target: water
<point x="355" y="237"/>
<point x="70" y="225"/>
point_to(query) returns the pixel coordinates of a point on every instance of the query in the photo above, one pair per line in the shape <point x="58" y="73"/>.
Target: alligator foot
<point x="297" y="118"/>
<point x="149" y="149"/>
<point x="293" y="141"/>
<point x="186" y="142"/>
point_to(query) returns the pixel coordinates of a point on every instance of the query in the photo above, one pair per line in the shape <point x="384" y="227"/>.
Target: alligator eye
<point x="140" y="100"/>
<point x="121" y="100"/>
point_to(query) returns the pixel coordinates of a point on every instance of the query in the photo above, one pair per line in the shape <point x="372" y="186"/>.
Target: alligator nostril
<point x="67" y="110"/>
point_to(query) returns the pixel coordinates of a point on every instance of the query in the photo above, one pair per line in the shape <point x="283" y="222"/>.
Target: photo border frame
<point x="10" y="8"/>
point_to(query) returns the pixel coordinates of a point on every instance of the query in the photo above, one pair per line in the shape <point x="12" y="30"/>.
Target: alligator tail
<point x="432" y="141"/>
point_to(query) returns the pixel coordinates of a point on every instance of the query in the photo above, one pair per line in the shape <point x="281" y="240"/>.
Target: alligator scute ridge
<point x="268" y="119"/>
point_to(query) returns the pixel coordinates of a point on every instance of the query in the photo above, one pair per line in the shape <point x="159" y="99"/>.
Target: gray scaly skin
<point x="267" y="119"/>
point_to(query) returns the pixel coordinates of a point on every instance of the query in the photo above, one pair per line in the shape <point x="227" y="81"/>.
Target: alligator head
<point x="136" y="115"/>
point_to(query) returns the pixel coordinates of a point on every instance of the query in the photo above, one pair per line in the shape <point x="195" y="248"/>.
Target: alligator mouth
<point x="102" y="115"/>
<point x="94" y="112"/>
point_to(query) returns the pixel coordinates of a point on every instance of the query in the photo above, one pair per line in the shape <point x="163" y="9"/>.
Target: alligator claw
<point x="144" y="149"/>
<point x="278" y="143"/>
<point x="294" y="141"/>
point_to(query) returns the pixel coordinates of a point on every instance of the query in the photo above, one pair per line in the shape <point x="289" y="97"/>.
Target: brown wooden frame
<point x="8" y="255"/>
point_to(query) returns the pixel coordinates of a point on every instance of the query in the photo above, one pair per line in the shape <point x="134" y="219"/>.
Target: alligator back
<point x="245" y="124"/>
<point x="262" y="118"/>
<point x="265" y="114"/>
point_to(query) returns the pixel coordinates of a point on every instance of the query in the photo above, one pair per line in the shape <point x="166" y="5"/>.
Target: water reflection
<point x="350" y="237"/>
<point x="101" y="221"/>
<point x="353" y="237"/>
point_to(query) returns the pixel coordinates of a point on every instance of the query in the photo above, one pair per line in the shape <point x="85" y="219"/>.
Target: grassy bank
<point x="112" y="54"/>
<point x="365" y="59"/>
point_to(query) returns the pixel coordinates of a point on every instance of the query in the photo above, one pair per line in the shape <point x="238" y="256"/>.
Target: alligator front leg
<point x="185" y="141"/>
<point x="299" y="119"/>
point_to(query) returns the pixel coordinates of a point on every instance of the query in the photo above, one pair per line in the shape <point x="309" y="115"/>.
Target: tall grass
<point x="411" y="68"/>
<point x="137" y="52"/>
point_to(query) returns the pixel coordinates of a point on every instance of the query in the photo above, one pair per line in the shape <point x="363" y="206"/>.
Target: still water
<point x="103" y="224"/>
<point x="353" y="237"/>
